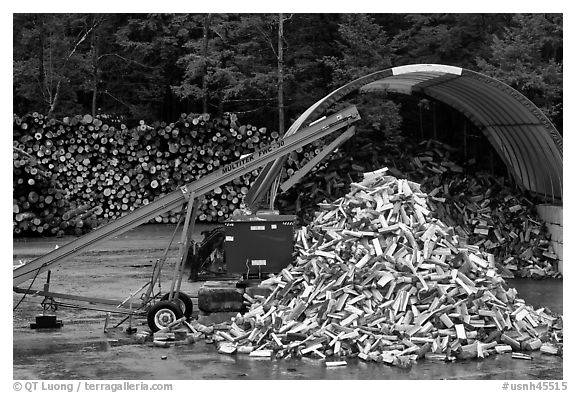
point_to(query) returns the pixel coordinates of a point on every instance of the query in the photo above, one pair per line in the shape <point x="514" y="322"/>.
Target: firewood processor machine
<point x="164" y="310"/>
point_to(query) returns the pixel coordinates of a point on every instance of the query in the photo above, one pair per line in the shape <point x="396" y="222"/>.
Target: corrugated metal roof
<point x="521" y="134"/>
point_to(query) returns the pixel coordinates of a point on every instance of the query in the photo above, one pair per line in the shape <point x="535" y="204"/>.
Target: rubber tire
<point x="164" y="307"/>
<point x="183" y="300"/>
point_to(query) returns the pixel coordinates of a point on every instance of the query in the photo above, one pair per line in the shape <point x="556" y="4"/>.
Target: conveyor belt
<point x="177" y="198"/>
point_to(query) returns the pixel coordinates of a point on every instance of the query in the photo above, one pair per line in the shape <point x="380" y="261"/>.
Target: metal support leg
<point x="106" y="322"/>
<point x="158" y="267"/>
<point x="188" y="242"/>
<point x="46" y="289"/>
<point x="130" y="329"/>
<point x="48" y="303"/>
<point x="183" y="245"/>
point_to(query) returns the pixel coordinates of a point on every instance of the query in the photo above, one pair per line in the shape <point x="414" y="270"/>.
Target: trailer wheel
<point x="163" y="314"/>
<point x="183" y="301"/>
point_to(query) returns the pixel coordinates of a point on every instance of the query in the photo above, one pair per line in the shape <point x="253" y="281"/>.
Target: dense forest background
<point x="267" y="68"/>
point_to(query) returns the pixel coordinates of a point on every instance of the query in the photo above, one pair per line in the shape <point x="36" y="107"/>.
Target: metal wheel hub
<point x="180" y="304"/>
<point x="164" y="318"/>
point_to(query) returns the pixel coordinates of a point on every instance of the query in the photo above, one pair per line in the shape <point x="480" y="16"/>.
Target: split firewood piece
<point x="226" y="348"/>
<point x="549" y="349"/>
<point x="339" y="363"/>
<point x="266" y="353"/>
<point x="519" y="355"/>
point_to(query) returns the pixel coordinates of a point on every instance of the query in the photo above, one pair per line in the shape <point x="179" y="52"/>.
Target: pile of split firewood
<point x="378" y="278"/>
<point x="486" y="210"/>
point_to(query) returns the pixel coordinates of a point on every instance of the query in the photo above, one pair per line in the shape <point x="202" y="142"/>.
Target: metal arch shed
<point x="525" y="139"/>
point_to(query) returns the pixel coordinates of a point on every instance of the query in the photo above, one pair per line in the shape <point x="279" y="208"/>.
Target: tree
<point x="280" y="56"/>
<point x="49" y="60"/>
<point x="156" y="66"/>
<point x="230" y="65"/>
<point x="453" y="39"/>
<point x="210" y="72"/>
<point x="364" y="48"/>
<point x="72" y="63"/>
<point x="152" y="43"/>
<point x="527" y="55"/>
<point x="108" y="61"/>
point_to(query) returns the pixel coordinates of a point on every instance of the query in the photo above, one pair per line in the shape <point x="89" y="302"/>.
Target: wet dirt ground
<point x="81" y="349"/>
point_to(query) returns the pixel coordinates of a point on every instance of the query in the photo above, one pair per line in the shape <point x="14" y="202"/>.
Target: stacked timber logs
<point x="378" y="278"/>
<point x="74" y="174"/>
<point x="38" y="199"/>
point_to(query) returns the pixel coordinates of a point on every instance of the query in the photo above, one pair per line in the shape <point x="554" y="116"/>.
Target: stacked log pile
<point x="38" y="199"/>
<point x="378" y="278"/>
<point x="75" y="174"/>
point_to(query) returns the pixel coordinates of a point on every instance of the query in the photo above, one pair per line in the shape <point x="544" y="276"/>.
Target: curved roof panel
<point x="525" y="139"/>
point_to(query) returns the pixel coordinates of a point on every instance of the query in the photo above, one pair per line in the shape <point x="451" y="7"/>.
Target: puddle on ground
<point x="540" y="293"/>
